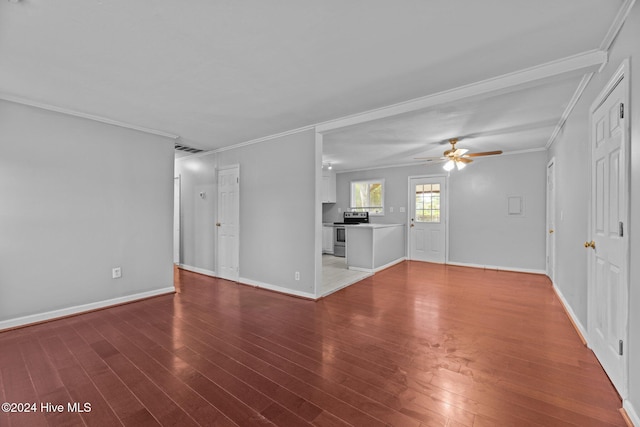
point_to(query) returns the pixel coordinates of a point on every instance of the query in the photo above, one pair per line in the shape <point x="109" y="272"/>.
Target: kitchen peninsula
<point x="374" y="247"/>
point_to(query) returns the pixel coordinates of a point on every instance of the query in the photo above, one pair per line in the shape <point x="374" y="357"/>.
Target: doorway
<point x="428" y="218"/>
<point x="176" y="220"/>
<point x="228" y="247"/>
<point x="608" y="256"/>
<point x="551" y="220"/>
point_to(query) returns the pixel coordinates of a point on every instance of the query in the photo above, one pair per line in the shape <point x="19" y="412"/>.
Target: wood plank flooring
<point x="416" y="345"/>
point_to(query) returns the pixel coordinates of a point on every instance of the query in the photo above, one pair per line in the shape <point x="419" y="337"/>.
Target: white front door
<point x="176" y="220"/>
<point x="427" y="219"/>
<point x="228" y="223"/>
<point x="608" y="277"/>
<point x="551" y="220"/>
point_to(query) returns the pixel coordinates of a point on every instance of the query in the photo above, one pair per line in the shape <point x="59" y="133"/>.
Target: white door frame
<point x="237" y="221"/>
<point x="551" y="214"/>
<point x="620" y="77"/>
<point x="177" y="220"/>
<point x="446" y="213"/>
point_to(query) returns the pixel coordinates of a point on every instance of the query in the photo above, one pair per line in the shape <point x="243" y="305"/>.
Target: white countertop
<point x="374" y="226"/>
<point x="371" y="226"/>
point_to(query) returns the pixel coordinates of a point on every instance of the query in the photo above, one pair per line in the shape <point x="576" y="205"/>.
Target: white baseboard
<point x="382" y="267"/>
<point x="197" y="270"/>
<point x="572" y="314"/>
<point x="64" y="312"/>
<point x="497" y="267"/>
<point x="631" y="413"/>
<point x="244" y="280"/>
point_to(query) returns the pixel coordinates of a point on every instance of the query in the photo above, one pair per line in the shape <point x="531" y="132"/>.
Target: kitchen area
<point x="354" y="247"/>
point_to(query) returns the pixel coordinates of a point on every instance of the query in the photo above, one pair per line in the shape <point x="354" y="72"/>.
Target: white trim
<point x="368" y="181"/>
<point x="197" y="270"/>
<point x="616" y="25"/>
<point x="631" y="412"/>
<point x="265" y="138"/>
<point x="318" y="269"/>
<point x="410" y="196"/>
<point x="581" y="61"/>
<point x="570" y="106"/>
<point x="263" y="285"/>
<point x="87" y="116"/>
<point x="78" y="309"/>
<point x="577" y="323"/>
<point x="234" y="166"/>
<point x="551" y="162"/>
<point x="375" y="270"/>
<point x="497" y="268"/>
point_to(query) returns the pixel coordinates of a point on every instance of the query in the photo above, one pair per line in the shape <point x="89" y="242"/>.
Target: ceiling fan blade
<point x="464" y="160"/>
<point x="429" y="158"/>
<point x="486" y="153"/>
<point x="460" y="151"/>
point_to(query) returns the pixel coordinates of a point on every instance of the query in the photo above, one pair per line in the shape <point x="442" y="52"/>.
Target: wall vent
<point x="179" y="147"/>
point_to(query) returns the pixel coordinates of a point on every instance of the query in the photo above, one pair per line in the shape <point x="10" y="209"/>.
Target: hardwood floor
<point x="415" y="345"/>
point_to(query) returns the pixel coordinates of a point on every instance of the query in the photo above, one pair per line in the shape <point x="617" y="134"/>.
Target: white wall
<point x="572" y="154"/>
<point x="481" y="233"/>
<point x="277" y="211"/>
<point x="78" y="197"/>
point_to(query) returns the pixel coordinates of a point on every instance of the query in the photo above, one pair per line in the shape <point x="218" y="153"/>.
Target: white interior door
<point x="551" y="220"/>
<point x="228" y="223"/>
<point x="608" y="277"/>
<point x="176" y="220"/>
<point x="427" y="219"/>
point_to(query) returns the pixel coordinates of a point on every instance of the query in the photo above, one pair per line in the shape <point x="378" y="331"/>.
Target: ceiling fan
<point x="458" y="157"/>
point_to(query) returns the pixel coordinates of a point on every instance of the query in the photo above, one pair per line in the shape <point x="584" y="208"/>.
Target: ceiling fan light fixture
<point x="449" y="165"/>
<point x="460" y="165"/>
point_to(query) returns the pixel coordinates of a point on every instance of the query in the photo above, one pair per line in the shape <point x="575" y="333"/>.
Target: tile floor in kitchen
<point x="336" y="275"/>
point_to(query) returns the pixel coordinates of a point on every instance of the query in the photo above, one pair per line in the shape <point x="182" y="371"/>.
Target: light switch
<point x="391" y="209"/>
<point x="402" y="209"/>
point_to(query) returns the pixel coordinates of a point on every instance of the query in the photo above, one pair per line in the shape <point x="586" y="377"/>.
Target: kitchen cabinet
<point x="328" y="186"/>
<point x="327" y="239"/>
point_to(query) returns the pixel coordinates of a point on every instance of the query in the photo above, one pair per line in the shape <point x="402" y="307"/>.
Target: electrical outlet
<point x="116" y="272"/>
<point x="297" y="275"/>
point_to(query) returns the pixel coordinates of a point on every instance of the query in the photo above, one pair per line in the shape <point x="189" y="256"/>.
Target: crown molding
<point x="69" y="112"/>
<point x="264" y="139"/>
<point x="582" y="86"/>
<point x="615" y="27"/>
<point x="584" y="61"/>
<point x="611" y="35"/>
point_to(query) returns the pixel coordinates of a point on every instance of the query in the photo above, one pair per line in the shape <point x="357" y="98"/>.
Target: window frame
<point x="432" y="209"/>
<point x="371" y="209"/>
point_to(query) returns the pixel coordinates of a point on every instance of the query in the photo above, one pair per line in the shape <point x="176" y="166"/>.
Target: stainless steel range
<point x="340" y="234"/>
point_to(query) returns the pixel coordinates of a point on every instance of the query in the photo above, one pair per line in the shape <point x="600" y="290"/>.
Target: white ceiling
<point x="219" y="73"/>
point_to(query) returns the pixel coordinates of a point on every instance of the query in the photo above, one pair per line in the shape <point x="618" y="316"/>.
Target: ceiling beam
<point x="586" y="62"/>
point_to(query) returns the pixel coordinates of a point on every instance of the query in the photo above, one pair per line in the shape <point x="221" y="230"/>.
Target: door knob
<point x="551" y="231"/>
<point x="590" y="244"/>
<point x="412" y="225"/>
<point x="218" y="224"/>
